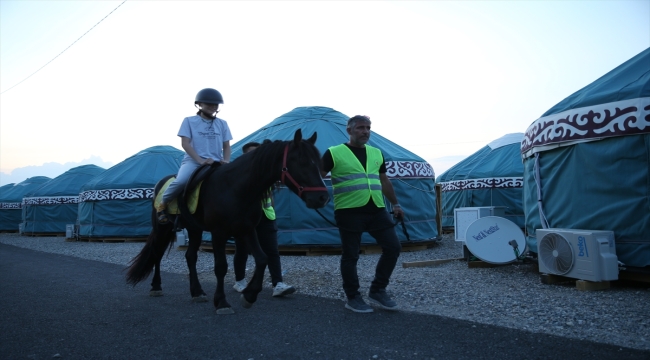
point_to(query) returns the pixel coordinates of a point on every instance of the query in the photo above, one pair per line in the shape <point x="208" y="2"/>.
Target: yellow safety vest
<point x="352" y="185"/>
<point x="267" y="206"/>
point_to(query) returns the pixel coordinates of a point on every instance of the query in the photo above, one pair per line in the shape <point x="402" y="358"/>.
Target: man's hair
<point x="352" y="122"/>
<point x="249" y="145"/>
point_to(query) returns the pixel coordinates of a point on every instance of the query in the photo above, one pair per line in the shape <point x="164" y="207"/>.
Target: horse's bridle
<point x="287" y="175"/>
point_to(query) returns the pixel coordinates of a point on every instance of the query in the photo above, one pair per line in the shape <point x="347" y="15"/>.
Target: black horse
<point x="230" y="206"/>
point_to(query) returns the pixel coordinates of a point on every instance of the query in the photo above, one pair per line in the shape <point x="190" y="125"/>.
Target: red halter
<point x="285" y="173"/>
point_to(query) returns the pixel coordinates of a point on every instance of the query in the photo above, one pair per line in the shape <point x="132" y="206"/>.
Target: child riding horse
<point x="228" y="207"/>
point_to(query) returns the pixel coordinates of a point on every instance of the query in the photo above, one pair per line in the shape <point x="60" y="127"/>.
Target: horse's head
<point x="301" y="171"/>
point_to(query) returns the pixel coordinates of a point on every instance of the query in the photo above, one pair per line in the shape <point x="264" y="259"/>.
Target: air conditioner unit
<point x="463" y="217"/>
<point x="182" y="238"/>
<point x="580" y="254"/>
<point x="69" y="231"/>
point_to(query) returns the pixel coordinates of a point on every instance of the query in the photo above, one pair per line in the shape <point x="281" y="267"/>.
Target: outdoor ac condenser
<point x="580" y="254"/>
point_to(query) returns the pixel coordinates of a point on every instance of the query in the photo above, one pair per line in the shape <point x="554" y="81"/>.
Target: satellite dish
<point x="493" y="239"/>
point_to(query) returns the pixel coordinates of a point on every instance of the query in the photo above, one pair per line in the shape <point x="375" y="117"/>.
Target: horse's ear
<point x="312" y="139"/>
<point x="297" y="137"/>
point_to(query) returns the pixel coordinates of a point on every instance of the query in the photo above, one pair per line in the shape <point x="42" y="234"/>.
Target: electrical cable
<point x="64" y="50"/>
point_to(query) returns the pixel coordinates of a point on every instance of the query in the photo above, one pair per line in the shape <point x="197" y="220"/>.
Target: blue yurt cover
<point x="11" y="201"/>
<point x="492" y="176"/>
<point x="587" y="162"/>
<point x="51" y="207"/>
<point x="118" y="202"/>
<point x="411" y="176"/>
<point x="5" y="206"/>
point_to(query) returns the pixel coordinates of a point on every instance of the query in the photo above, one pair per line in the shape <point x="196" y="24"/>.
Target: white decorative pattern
<point x="486" y="183"/>
<point x="409" y="169"/>
<point x="626" y="117"/>
<point x="11" y="205"/>
<point x="50" y="200"/>
<point x="116" y="194"/>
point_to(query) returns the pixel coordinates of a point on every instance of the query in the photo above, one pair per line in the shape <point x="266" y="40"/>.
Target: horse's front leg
<point x="191" y="256"/>
<point x="220" y="270"/>
<point x="249" y="295"/>
<point x="156" y="283"/>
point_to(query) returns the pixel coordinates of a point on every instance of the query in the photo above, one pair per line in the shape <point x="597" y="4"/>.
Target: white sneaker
<point x="281" y="289"/>
<point x="240" y="285"/>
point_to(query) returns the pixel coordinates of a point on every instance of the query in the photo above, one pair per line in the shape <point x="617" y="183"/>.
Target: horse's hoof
<point x="225" y="311"/>
<point x="200" y="299"/>
<point x="245" y="304"/>
<point x="155" y="293"/>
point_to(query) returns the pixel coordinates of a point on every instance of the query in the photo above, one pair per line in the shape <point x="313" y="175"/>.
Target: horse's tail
<point x="160" y="238"/>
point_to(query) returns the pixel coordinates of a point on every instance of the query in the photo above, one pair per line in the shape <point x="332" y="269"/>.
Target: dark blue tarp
<point x="492" y="176"/>
<point x="11" y="199"/>
<point x="118" y="202"/>
<point x="592" y="152"/>
<point x="412" y="178"/>
<point x="55" y="204"/>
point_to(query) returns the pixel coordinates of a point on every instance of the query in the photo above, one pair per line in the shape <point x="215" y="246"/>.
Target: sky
<point x="95" y="82"/>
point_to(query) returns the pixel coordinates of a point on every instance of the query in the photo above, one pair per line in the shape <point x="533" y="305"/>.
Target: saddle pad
<point x="172" y="207"/>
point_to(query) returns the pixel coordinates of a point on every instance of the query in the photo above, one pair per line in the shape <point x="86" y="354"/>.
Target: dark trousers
<point x="267" y="235"/>
<point x="380" y="226"/>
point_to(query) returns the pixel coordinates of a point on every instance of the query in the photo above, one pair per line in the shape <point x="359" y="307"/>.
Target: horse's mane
<point x="260" y="164"/>
<point x="264" y="157"/>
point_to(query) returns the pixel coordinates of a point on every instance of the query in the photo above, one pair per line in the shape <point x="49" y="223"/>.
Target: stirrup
<point x="178" y="225"/>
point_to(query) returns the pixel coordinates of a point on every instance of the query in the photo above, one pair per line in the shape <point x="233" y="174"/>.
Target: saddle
<point x="191" y="191"/>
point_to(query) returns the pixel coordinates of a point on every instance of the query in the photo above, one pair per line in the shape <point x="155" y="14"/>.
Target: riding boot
<point x="161" y="214"/>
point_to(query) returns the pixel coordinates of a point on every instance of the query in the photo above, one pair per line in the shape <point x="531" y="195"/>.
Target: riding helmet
<point x="208" y="96"/>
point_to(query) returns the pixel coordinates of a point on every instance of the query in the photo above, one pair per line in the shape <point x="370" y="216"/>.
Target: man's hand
<point x="398" y="212"/>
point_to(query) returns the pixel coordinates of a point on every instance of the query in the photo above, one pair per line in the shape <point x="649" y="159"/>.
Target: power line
<point x="64" y="50"/>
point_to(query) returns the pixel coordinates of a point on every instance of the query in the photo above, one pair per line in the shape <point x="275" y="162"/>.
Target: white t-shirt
<point x="206" y="137"/>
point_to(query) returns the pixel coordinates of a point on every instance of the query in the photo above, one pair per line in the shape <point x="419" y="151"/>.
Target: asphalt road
<point x="55" y="306"/>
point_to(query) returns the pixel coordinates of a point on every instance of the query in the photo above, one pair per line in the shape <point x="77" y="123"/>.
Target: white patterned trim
<point x="625" y="117"/>
<point x="486" y="183"/>
<point x="50" y="200"/>
<point x="409" y="169"/>
<point x="116" y="194"/>
<point x="11" y="205"/>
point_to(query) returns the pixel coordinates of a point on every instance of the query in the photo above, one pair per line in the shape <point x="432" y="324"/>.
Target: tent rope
<point x="413" y="187"/>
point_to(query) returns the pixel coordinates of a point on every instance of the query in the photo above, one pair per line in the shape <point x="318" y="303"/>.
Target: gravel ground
<point x="510" y="295"/>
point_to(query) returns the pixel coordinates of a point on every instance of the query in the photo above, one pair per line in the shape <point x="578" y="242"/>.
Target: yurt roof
<point x="499" y="158"/>
<point x="616" y="104"/>
<point x="68" y="183"/>
<point x="331" y="128"/>
<point x="629" y="80"/>
<point x="23" y="188"/>
<point x="142" y="170"/>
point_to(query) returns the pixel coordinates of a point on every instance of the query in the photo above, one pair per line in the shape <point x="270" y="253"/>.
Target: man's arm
<point x="389" y="192"/>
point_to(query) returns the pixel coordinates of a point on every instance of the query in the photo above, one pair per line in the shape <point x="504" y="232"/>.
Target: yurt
<point x="587" y="162"/>
<point x="118" y="202"/>
<point x="490" y="177"/>
<point x="51" y="207"/>
<point x="4" y="191"/>
<point x="11" y="201"/>
<point x="411" y="176"/>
